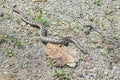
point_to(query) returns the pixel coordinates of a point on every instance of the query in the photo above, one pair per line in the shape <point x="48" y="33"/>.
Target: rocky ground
<point x="94" y="23"/>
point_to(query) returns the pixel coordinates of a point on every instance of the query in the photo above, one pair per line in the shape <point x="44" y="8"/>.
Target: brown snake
<point x="46" y="39"/>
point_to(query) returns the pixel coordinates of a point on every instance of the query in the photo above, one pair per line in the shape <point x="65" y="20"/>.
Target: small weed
<point x="96" y="2"/>
<point x="17" y="42"/>
<point x="40" y="13"/>
<point x="10" y="39"/>
<point x="40" y="19"/>
<point x="77" y="28"/>
<point x="2" y="38"/>
<point x="37" y="34"/>
<point x="8" y="16"/>
<point x="21" y="66"/>
<point x="58" y="22"/>
<point x="18" y="21"/>
<point x="2" y="35"/>
<point x="9" y="53"/>
<point x="43" y="21"/>
<point x="58" y="73"/>
<point x="104" y="52"/>
<point x="14" y="40"/>
<point x="70" y="25"/>
<point x="51" y="63"/>
<point x="111" y="77"/>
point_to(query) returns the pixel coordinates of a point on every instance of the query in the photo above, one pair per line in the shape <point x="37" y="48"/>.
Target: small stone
<point x="1" y="14"/>
<point x="23" y="24"/>
<point x="71" y="64"/>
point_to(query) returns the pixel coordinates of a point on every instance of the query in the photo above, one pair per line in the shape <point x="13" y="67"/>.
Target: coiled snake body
<point x="44" y="38"/>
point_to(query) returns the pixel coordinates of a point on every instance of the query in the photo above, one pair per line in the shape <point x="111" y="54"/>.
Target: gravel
<point x="26" y="59"/>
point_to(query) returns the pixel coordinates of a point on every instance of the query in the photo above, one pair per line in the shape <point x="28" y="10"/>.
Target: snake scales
<point x="44" y="38"/>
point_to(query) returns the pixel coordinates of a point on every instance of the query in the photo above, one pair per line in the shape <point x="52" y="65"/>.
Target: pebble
<point x="1" y="14"/>
<point x="71" y="65"/>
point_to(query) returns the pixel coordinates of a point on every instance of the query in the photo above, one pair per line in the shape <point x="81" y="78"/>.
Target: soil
<point x="94" y="23"/>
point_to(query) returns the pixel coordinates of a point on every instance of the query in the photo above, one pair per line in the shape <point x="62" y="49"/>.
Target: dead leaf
<point x="53" y="51"/>
<point x="56" y="52"/>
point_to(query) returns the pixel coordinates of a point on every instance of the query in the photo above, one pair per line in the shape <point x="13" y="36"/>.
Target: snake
<point x="47" y="39"/>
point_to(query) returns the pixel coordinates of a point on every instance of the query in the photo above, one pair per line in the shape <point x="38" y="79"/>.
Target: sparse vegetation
<point x="8" y="16"/>
<point x="18" y="21"/>
<point x="61" y="75"/>
<point x="69" y="18"/>
<point x="16" y="41"/>
<point x="58" y="22"/>
<point x="42" y="20"/>
<point x="70" y="25"/>
<point x="9" y="53"/>
<point x="21" y="66"/>
<point x="10" y="39"/>
<point x="51" y="63"/>
<point x="97" y="2"/>
<point x="104" y="52"/>
<point x="58" y="73"/>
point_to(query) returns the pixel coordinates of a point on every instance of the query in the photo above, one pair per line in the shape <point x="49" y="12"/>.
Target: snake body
<point x="46" y="39"/>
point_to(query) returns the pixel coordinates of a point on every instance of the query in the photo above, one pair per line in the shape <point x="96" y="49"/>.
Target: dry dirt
<point x="94" y="23"/>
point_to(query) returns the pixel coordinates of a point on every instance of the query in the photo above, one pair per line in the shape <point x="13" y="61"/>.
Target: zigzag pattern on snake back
<point x="44" y="38"/>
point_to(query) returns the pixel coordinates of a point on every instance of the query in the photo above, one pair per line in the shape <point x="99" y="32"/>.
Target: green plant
<point x="2" y="38"/>
<point x="9" y="53"/>
<point x="16" y="41"/>
<point x="77" y="28"/>
<point x="58" y="22"/>
<point x="21" y="66"/>
<point x="70" y="25"/>
<point x="40" y="12"/>
<point x="8" y="16"/>
<point x="51" y="63"/>
<point x="104" y="52"/>
<point x="60" y="74"/>
<point x="18" y="21"/>
<point x="41" y="19"/>
<point x="111" y="76"/>
<point x="97" y="2"/>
